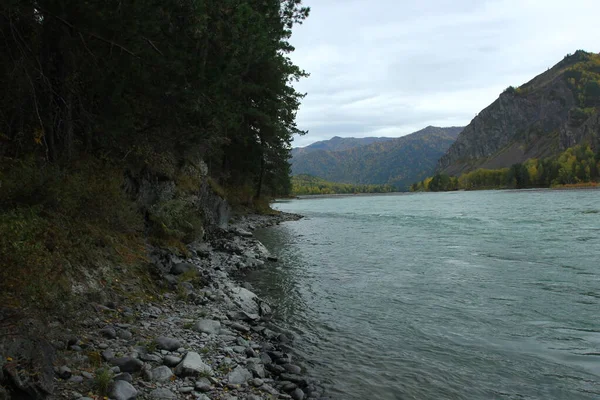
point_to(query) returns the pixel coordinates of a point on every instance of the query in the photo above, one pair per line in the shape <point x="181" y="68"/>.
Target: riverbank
<point x="205" y="335"/>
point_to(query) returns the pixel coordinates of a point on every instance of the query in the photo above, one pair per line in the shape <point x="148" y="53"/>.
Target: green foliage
<point x="176" y="218"/>
<point x="102" y="381"/>
<point x="575" y="165"/>
<point x="54" y="221"/>
<point x="310" y="185"/>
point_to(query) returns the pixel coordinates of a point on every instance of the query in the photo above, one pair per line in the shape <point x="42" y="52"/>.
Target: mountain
<point x="398" y="162"/>
<point x="337" y="143"/>
<point x="554" y="111"/>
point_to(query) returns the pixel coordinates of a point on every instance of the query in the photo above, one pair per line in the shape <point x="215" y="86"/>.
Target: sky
<point x="392" y="67"/>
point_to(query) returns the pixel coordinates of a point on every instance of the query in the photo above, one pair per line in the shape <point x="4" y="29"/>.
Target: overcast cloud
<point x="391" y="67"/>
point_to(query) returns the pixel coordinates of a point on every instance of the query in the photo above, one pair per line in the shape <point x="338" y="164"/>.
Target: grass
<point x="102" y="381"/>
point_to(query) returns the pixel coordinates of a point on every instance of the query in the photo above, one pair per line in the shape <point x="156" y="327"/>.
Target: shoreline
<point x="206" y="336"/>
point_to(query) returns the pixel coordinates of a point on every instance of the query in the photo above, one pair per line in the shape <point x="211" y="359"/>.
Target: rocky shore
<point x="205" y="337"/>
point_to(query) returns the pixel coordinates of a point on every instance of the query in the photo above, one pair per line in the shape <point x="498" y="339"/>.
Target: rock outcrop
<point x="535" y="120"/>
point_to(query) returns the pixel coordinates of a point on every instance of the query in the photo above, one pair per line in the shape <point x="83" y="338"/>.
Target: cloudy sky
<point x="391" y="67"/>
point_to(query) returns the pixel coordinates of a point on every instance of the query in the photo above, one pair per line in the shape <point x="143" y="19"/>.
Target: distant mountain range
<point x="394" y="161"/>
<point x="556" y="110"/>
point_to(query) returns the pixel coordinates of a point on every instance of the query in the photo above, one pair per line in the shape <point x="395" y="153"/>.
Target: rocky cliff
<point x="553" y="111"/>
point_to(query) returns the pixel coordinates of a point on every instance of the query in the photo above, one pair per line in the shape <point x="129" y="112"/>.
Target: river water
<point x="464" y="295"/>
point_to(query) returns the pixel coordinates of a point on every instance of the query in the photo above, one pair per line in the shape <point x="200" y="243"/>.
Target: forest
<point x="575" y="166"/>
<point x="309" y="185"/>
<point x="99" y="96"/>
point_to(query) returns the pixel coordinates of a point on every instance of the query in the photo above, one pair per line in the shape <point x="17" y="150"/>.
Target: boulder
<point x="239" y="375"/>
<point x="192" y="365"/>
<point x="162" y="374"/>
<point x="122" y="390"/>
<point x="127" y="364"/>
<point x="208" y="326"/>
<point x="167" y="343"/>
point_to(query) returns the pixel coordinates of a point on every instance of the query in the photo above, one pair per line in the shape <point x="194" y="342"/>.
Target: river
<point x="463" y="295"/>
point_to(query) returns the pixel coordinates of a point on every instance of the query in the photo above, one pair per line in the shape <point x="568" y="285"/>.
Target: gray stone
<point x="76" y="379"/>
<point x="294" y="369"/>
<point x="182" y="268"/>
<point x="253" y="397"/>
<point x="297" y="394"/>
<point x="122" y="390"/>
<point x="250" y="353"/>
<point x="300" y="380"/>
<point x="108" y="332"/>
<point x="192" y="365"/>
<point x="63" y="372"/>
<point x="239" y="327"/>
<point x="171" y="361"/>
<point x="257" y="382"/>
<point x="125" y="376"/>
<point x="245" y="299"/>
<point x="124" y="334"/>
<point x="127" y="364"/>
<point x="257" y="369"/>
<point x="208" y="326"/>
<point x="239" y="375"/>
<point x="264" y="357"/>
<point x="151" y="358"/>
<point x="108" y="355"/>
<point x="162" y="373"/>
<point x="186" y="389"/>
<point x="87" y="375"/>
<point x="203" y="385"/>
<point x="167" y="343"/>
<point x="162" y="394"/>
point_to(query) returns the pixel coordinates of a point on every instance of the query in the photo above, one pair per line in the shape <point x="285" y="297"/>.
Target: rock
<point x="162" y="394"/>
<point x="125" y="376"/>
<point x="122" y="390"/>
<point x="37" y="381"/>
<point x="203" y="385"/>
<point x="63" y="372"/>
<point x="257" y="369"/>
<point x="250" y="352"/>
<point x="264" y="310"/>
<point x="245" y="299"/>
<point x="167" y="343"/>
<point x="108" y="332"/>
<point x="239" y="327"/>
<point x="208" y="326"/>
<point x="107" y="355"/>
<point x="151" y="358"/>
<point x="294" y="369"/>
<point x="87" y="375"/>
<point x="257" y="382"/>
<point x="239" y="375"/>
<point x="253" y="397"/>
<point x="192" y="365"/>
<point x="264" y="357"/>
<point x="297" y="394"/>
<point x="272" y="258"/>
<point x="242" y="232"/>
<point x="182" y="268"/>
<point x="162" y="374"/>
<point x="76" y="379"/>
<point x="186" y="389"/>
<point x="171" y="361"/>
<point x="127" y="364"/>
<point x="124" y="334"/>
<point x="300" y="380"/>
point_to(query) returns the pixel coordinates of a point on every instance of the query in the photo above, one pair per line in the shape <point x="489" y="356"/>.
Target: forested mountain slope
<point x="554" y="111"/>
<point x="337" y="143"/>
<point x="398" y="162"/>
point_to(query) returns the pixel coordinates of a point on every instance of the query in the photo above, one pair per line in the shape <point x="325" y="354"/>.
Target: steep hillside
<point x="555" y="110"/>
<point x="337" y="143"/>
<point x="398" y="162"/>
